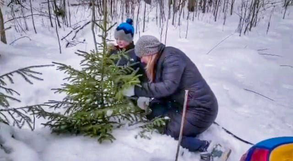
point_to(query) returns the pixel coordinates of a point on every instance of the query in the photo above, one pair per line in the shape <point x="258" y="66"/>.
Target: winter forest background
<point x="243" y="48"/>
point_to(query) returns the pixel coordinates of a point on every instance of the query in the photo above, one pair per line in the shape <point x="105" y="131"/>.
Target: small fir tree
<point x="94" y="103"/>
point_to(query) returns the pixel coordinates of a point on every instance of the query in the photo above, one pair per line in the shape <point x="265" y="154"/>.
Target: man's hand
<point x="129" y="91"/>
<point x="143" y="102"/>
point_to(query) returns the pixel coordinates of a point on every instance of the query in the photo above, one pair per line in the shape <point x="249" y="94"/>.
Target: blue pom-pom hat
<point x="125" y="31"/>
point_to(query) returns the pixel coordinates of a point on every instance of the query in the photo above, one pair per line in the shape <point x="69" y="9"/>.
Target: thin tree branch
<point x="80" y="29"/>
<point x="19" y="39"/>
<point x="290" y="66"/>
<point x="57" y="33"/>
<point x="270" y="54"/>
<point x="220" y="42"/>
<point x="259" y="94"/>
<point x="25" y="17"/>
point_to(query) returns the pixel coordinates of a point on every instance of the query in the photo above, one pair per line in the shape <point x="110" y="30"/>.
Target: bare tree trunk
<point x="33" y="21"/>
<point x="252" y="16"/>
<point x="232" y="6"/>
<point x="162" y="19"/>
<point x="243" y="15"/>
<point x="148" y="17"/>
<point x="191" y="5"/>
<point x="122" y="11"/>
<point x="133" y="6"/>
<point x="256" y="14"/>
<point x="269" y="23"/>
<point x="55" y="8"/>
<point x="17" y="25"/>
<point x="240" y="18"/>
<point x="2" y="29"/>
<point x="204" y="6"/>
<point x="144" y="13"/>
<point x="111" y="9"/>
<point x="157" y="13"/>
<point x="58" y="36"/>
<point x="167" y="25"/>
<point x="216" y="9"/>
<point x="50" y="16"/>
<point x="169" y="6"/>
<point x="181" y="6"/>
<point x="24" y="19"/>
<point x="225" y="8"/>
<point x="65" y="19"/>
<point x="69" y="13"/>
<point x="286" y="4"/>
<point x="187" y="25"/>
<point x="98" y="6"/>
<point x="13" y="17"/>
<point x="137" y="16"/>
<point x="174" y="11"/>
<point x="126" y="6"/>
<point x="93" y="24"/>
<point x="194" y="14"/>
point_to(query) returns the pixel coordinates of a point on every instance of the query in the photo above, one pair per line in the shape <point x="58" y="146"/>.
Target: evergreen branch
<point x="23" y="114"/>
<point x="4" y="99"/>
<point x="26" y="68"/>
<point x="9" y="90"/>
<point x="155" y="125"/>
<point x="8" y="77"/>
<point x="31" y="71"/>
<point x="4" y="116"/>
<point x="24" y="107"/>
<point x="68" y="70"/>
<point x="50" y="115"/>
<point x="20" y="115"/>
<point x="24" y="77"/>
<point x="15" y="122"/>
<point x="83" y="52"/>
<point x="65" y="103"/>
<point x="23" y="72"/>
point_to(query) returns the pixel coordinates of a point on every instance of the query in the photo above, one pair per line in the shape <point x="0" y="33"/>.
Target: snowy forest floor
<point x="240" y="71"/>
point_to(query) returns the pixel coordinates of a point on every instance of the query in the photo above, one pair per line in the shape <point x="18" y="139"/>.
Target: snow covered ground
<point x="241" y="71"/>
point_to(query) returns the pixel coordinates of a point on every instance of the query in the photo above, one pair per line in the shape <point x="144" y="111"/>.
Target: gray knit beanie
<point x="125" y="31"/>
<point x="147" y="45"/>
<point x="121" y="35"/>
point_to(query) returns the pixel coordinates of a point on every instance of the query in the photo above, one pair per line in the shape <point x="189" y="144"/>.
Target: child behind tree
<point x="124" y="38"/>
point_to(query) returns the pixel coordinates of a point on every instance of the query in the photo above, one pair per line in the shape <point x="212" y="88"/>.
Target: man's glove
<point x="143" y="102"/>
<point x="128" y="92"/>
